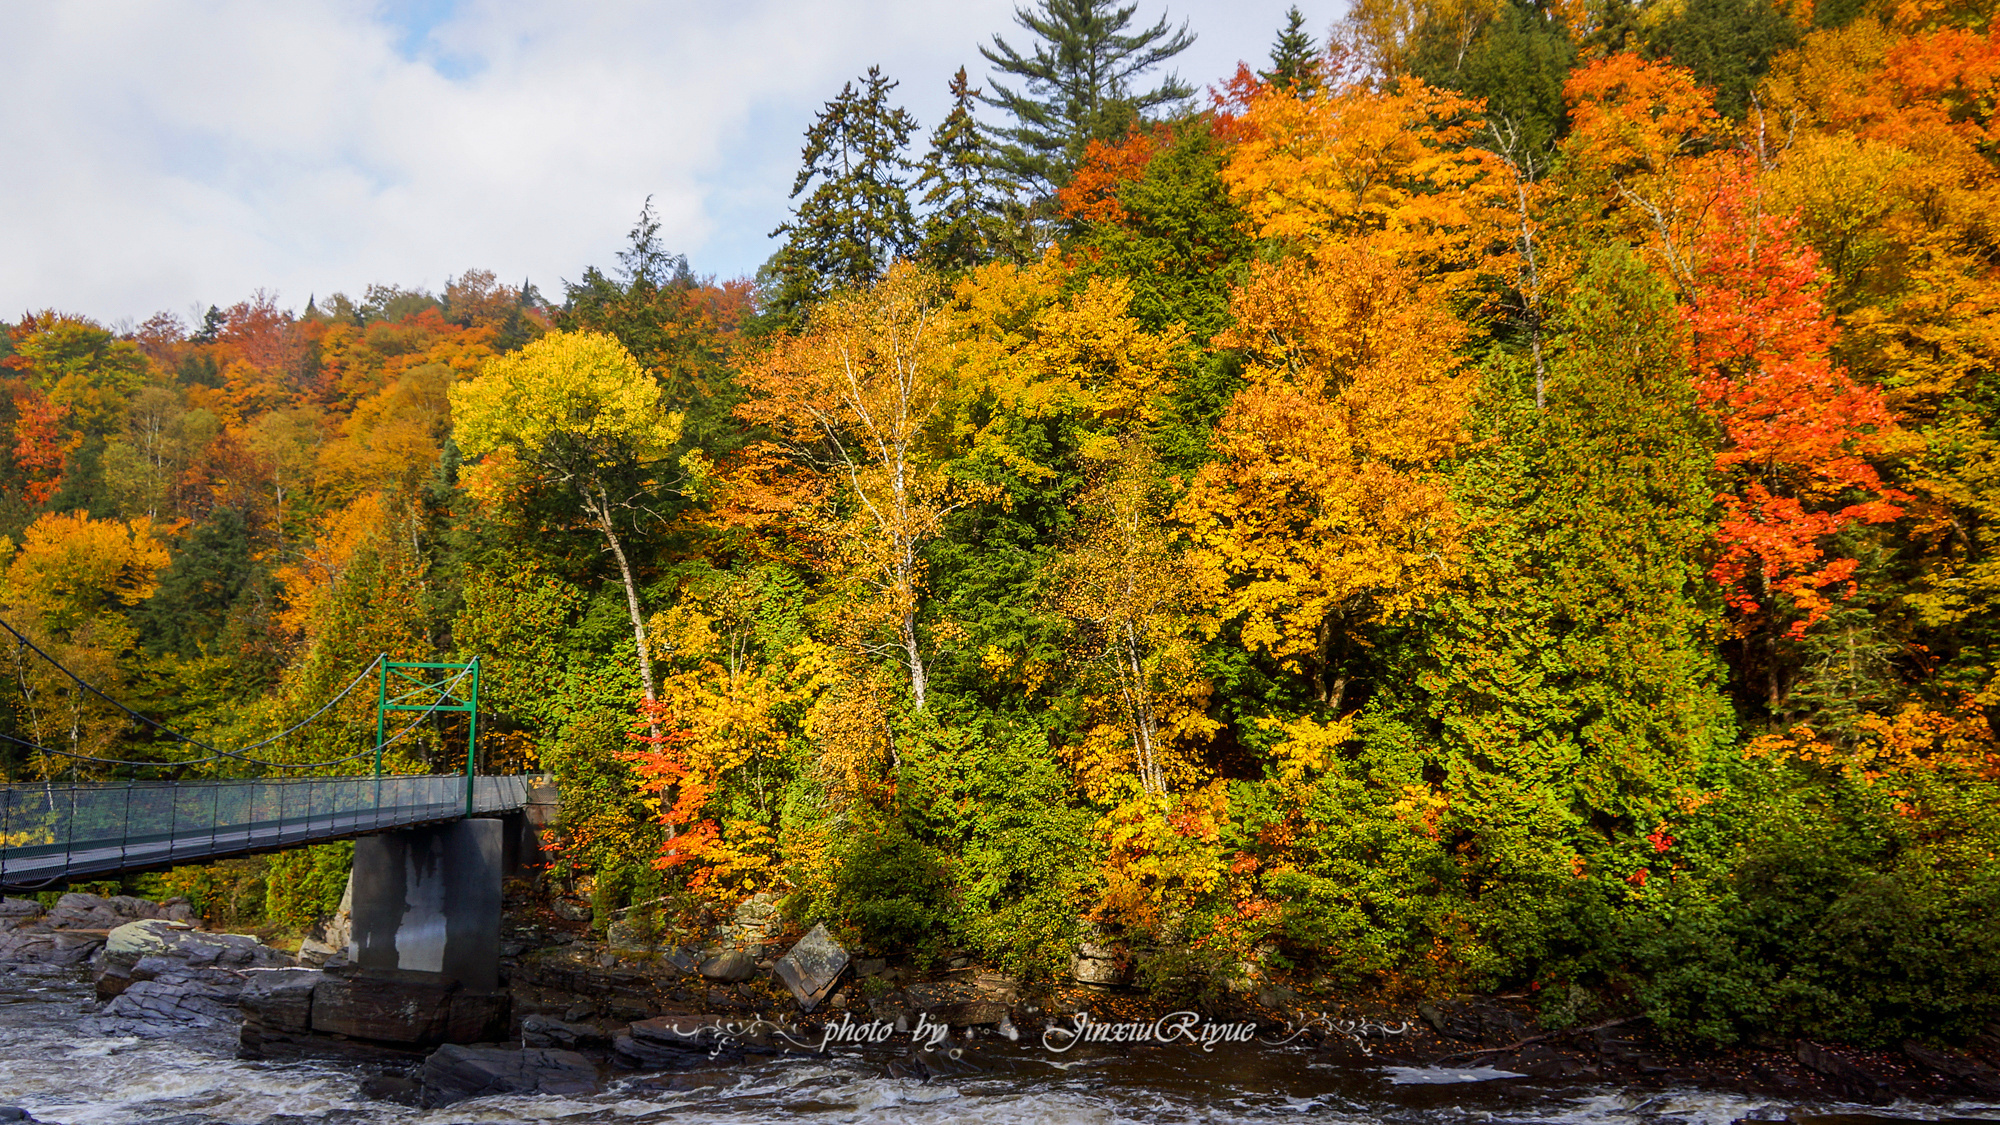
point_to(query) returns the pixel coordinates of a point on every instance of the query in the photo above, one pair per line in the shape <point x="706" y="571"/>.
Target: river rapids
<point x="59" y="1071"/>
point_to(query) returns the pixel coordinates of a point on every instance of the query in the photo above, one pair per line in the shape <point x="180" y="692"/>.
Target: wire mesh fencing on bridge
<point x="55" y="832"/>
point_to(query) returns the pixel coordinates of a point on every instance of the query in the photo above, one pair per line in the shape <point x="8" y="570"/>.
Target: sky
<point x="169" y="156"/>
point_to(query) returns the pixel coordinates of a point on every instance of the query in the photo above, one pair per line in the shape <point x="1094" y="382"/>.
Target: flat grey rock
<point x="811" y="967"/>
<point x="549" y="1032"/>
<point x="454" y="1073"/>
<point x="631" y="936"/>
<point x="730" y="967"/>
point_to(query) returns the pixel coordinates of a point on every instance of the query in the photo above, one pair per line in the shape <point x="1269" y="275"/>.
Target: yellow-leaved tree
<point x="1035" y="349"/>
<point x="861" y="396"/>
<point x="573" y="412"/>
<point x="67" y="590"/>
<point x="1323" y="511"/>
<point x="1126" y="594"/>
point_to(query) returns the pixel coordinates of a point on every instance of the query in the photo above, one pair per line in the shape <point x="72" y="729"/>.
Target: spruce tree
<point x="857" y="220"/>
<point x="1078" y="84"/>
<point x="212" y="323"/>
<point x="214" y="571"/>
<point x="644" y="261"/>
<point x="960" y="197"/>
<point x="1294" y="57"/>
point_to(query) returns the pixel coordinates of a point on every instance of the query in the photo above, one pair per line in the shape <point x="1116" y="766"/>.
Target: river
<point x="60" y="1072"/>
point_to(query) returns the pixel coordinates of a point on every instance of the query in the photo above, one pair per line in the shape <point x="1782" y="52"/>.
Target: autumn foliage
<point x="1798" y="428"/>
<point x="1361" y="537"/>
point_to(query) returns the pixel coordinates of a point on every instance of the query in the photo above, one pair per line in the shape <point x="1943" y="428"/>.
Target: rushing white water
<point x="60" y="1073"/>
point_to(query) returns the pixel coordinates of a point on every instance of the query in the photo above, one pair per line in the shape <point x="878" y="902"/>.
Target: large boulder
<point x="1852" y="1080"/>
<point x="78" y="911"/>
<point x="811" y="967"/>
<point x="172" y="1004"/>
<point x="454" y="1073"/>
<point x="75" y="929"/>
<point x="134" y="940"/>
<point x="631" y="935"/>
<point x="162" y="937"/>
<point x="280" y="1000"/>
<point x="153" y="948"/>
<point x="548" y="1031"/>
<point x="1096" y="964"/>
<point x="50" y="947"/>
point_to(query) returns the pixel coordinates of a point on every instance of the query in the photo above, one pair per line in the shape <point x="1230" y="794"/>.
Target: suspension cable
<point x="216" y="753"/>
<point x="157" y="725"/>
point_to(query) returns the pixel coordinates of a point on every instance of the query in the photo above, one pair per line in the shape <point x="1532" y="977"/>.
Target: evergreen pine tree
<point x="960" y="197"/>
<point x="1294" y="57"/>
<point x="644" y="261"/>
<point x="1078" y="84"/>
<point x="857" y="220"/>
<point x="212" y="323"/>
<point x="214" y="570"/>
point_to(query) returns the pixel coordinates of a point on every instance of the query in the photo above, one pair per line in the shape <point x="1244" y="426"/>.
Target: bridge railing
<point x="49" y="831"/>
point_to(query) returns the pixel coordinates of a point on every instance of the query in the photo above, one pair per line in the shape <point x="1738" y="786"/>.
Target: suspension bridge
<point x="54" y="831"/>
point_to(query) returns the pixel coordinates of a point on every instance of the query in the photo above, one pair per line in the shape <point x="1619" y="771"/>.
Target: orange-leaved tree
<point x="1642" y="146"/>
<point x="1798" y="428"/>
<point x="1323" y="512"/>
<point x="718" y="714"/>
<point x="1394" y="164"/>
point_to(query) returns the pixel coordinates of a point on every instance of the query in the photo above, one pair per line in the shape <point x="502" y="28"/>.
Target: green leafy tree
<point x="1078" y="84"/>
<point x="1728" y="44"/>
<point x="857" y="218"/>
<point x="81" y="367"/>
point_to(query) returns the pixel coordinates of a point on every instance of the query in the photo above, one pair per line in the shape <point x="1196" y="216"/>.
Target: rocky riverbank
<point x="574" y="1012"/>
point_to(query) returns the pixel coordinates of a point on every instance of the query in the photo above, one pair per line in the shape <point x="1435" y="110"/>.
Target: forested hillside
<point x="1494" y="497"/>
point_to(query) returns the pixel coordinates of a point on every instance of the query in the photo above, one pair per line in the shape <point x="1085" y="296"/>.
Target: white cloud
<point x="167" y="155"/>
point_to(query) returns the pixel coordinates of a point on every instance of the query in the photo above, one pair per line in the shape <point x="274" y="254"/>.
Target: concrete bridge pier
<point x="428" y="900"/>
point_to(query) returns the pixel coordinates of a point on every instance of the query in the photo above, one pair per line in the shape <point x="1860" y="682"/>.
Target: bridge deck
<point x="51" y="833"/>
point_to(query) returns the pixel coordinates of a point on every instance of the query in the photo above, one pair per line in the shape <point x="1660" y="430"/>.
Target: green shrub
<point x="1185" y="977"/>
<point x="895" y="893"/>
